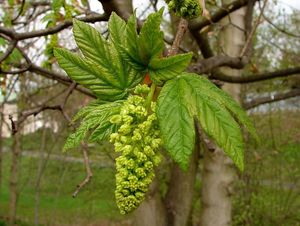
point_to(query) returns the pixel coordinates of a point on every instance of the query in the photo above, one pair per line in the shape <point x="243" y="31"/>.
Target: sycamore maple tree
<point x="142" y="121"/>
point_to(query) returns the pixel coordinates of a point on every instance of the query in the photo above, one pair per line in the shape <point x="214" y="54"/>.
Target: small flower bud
<point x="116" y="119"/>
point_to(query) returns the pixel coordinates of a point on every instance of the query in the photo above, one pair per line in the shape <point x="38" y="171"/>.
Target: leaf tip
<point x="57" y="52"/>
<point x="183" y="166"/>
<point x="161" y="10"/>
<point x="241" y="166"/>
<point x="75" y="22"/>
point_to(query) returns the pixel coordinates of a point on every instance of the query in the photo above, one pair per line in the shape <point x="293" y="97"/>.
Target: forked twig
<point x="249" y="39"/>
<point x="88" y="170"/>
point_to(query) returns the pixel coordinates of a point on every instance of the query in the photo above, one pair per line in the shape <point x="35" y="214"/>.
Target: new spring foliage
<point x="126" y="114"/>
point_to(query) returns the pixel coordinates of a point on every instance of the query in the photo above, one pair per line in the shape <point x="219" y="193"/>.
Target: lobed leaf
<point x="117" y="29"/>
<point x="175" y="122"/>
<point x="188" y="96"/>
<point x="94" y="77"/>
<point x="141" y="48"/>
<point x="150" y="40"/>
<point x="95" y="119"/>
<point x="91" y="44"/>
<point x="226" y="100"/>
<point x="163" y="69"/>
<point x="130" y="48"/>
<point x="215" y="119"/>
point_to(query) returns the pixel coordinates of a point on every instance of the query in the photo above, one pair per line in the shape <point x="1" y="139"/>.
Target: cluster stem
<point x="150" y="97"/>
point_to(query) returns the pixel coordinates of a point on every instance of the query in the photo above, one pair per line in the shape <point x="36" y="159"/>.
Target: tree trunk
<point x="41" y="164"/>
<point x="180" y="194"/>
<point x="218" y="170"/>
<point x="1" y="144"/>
<point x="217" y="180"/>
<point x="152" y="211"/>
<point x="15" y="155"/>
<point x="13" y="189"/>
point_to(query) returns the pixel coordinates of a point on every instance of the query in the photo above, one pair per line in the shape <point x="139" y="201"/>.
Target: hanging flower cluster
<point x="137" y="140"/>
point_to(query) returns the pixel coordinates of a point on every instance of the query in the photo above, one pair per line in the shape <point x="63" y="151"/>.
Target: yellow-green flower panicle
<point x="138" y="141"/>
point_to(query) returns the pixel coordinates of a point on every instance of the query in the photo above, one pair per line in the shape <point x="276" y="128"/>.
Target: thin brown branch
<point x="249" y="17"/>
<point x="24" y="115"/>
<point x="88" y="170"/>
<point x="203" y="43"/>
<point x="210" y="64"/>
<point x="182" y="27"/>
<point x="14" y="128"/>
<point x="21" y="50"/>
<point x="37" y="110"/>
<point x="218" y="15"/>
<point x="279" y="28"/>
<point x="8" y="51"/>
<point x="40" y="3"/>
<point x="170" y="41"/>
<point x="20" y="11"/>
<point x="256" y="77"/>
<point x="274" y="98"/>
<point x="52" y="30"/>
<point x="33" y="16"/>
<point x="49" y="74"/>
<point x="68" y="93"/>
<point x="58" y="77"/>
<point x="8" y="32"/>
<point x="15" y="72"/>
<point x="213" y="62"/>
<point x="249" y="39"/>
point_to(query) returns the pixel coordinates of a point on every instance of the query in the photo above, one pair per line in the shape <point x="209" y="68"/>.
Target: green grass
<point x="262" y="198"/>
<point x="93" y="203"/>
<point x="268" y="190"/>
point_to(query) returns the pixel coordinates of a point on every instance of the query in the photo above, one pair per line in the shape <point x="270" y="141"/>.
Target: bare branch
<point x="88" y="170"/>
<point x="218" y="15"/>
<point x="203" y="43"/>
<point x="9" y="50"/>
<point x="249" y="17"/>
<point x="249" y="39"/>
<point x="43" y="107"/>
<point x="69" y="92"/>
<point x="40" y="3"/>
<point x="52" y="30"/>
<point x="276" y="97"/>
<point x="16" y="72"/>
<point x="8" y="32"/>
<point x="14" y="128"/>
<point x="210" y="64"/>
<point x="35" y="112"/>
<point x="256" y="77"/>
<point x="20" y="11"/>
<point x="58" y="77"/>
<point x="182" y="27"/>
<point x="279" y="28"/>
